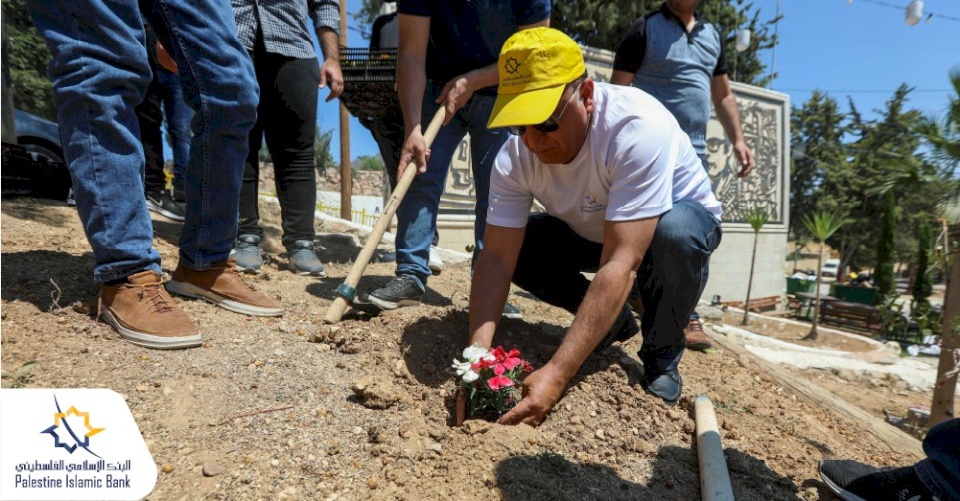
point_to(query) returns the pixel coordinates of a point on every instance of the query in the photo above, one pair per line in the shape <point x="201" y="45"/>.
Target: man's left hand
<point x="456" y="92"/>
<point x="330" y="74"/>
<point x="541" y="391"/>
<point x="744" y="157"/>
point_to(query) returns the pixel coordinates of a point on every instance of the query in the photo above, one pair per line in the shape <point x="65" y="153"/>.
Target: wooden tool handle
<point x="335" y="312"/>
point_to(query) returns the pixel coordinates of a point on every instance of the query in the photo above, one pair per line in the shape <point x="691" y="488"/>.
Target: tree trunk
<point x="812" y="336"/>
<point x="753" y="262"/>
<point x="945" y="387"/>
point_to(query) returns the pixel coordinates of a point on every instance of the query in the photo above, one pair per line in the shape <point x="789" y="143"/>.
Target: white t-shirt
<point x="636" y="163"/>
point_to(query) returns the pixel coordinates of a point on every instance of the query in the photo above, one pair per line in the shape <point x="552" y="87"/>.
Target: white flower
<point x="461" y="367"/>
<point x="474" y="353"/>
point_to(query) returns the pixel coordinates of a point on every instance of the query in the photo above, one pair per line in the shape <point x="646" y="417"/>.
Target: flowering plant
<point x="490" y="378"/>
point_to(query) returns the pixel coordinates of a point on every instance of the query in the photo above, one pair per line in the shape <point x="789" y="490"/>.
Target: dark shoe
<point x="304" y="261"/>
<point x="142" y="312"/>
<point x="247" y="254"/>
<point x="624" y="328"/>
<point x="696" y="339"/>
<point x="401" y="291"/>
<point x="221" y="285"/>
<point x="666" y="385"/>
<point x="854" y="481"/>
<point x="511" y="311"/>
<point x="162" y="203"/>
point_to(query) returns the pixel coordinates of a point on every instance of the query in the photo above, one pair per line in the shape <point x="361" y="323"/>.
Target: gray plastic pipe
<point x="714" y="477"/>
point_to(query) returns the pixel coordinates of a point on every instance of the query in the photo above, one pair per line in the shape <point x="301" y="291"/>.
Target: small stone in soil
<point x="212" y="468"/>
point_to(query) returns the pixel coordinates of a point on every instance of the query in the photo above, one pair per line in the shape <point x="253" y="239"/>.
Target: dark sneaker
<point x="142" y="312"/>
<point x="401" y="291"/>
<point x="221" y="285"/>
<point x="304" y="261"/>
<point x="624" y="328"/>
<point x="511" y="311"/>
<point x="162" y="203"/>
<point x="696" y="339"/>
<point x="435" y="263"/>
<point x="666" y="385"/>
<point x="854" y="481"/>
<point x="246" y="252"/>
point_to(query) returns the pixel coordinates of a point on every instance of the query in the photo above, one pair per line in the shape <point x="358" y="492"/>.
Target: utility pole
<point x="346" y="183"/>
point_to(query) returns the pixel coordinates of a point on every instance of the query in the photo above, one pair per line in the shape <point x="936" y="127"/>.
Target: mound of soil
<point x="289" y="408"/>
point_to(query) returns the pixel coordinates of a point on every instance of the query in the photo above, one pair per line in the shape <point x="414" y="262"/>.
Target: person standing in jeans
<point x="178" y="116"/>
<point x="278" y="41"/>
<point x="447" y="57"/>
<point x="150" y="118"/>
<point x="95" y="106"/>
<point x="625" y="196"/>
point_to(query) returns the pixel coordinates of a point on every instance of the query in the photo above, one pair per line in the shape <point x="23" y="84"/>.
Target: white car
<point x="830" y="268"/>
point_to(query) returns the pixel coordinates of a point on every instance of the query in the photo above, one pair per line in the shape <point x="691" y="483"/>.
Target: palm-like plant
<point x="757" y="218"/>
<point x="822" y="226"/>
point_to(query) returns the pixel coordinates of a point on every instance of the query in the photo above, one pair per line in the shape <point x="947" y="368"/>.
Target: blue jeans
<point x="417" y="214"/>
<point x="178" y="116"/>
<point x="670" y="279"/>
<point x="940" y="471"/>
<point x="100" y="72"/>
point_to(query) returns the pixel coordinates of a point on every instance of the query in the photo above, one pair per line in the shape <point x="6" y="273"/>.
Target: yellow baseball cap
<point x="535" y="65"/>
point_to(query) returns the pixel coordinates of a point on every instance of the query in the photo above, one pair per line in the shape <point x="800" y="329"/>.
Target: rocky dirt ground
<point x="289" y="408"/>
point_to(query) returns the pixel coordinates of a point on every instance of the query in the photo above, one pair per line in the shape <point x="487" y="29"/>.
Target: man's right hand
<point x="414" y="150"/>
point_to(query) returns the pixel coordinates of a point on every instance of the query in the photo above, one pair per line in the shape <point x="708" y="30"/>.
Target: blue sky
<point x="860" y="48"/>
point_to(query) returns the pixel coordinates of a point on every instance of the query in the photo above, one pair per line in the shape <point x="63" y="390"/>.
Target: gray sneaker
<point x="247" y="254"/>
<point x="304" y="261"/>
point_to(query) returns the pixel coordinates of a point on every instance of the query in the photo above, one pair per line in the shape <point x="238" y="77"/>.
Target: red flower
<point x="497" y="382"/>
<point x="526" y="366"/>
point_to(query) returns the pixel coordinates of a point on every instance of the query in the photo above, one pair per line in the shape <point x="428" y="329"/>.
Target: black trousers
<point x="287" y="118"/>
<point x="150" y="117"/>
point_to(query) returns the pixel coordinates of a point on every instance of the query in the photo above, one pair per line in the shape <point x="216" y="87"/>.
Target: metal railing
<point x="358" y="216"/>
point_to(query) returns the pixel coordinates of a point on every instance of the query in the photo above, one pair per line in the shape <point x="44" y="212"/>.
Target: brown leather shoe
<point x="696" y="339"/>
<point x="143" y="313"/>
<point x="221" y="285"/>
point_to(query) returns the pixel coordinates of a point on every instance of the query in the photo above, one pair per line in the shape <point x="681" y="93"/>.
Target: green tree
<point x="757" y="218"/>
<point x="883" y="273"/>
<point x="321" y="150"/>
<point x="817" y="129"/>
<point x="602" y="23"/>
<point x="28" y="59"/>
<point x="370" y="162"/>
<point x="923" y="284"/>
<point x="822" y="225"/>
<point x="878" y="151"/>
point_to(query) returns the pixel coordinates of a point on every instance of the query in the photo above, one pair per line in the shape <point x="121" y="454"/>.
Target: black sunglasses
<point x="549" y="125"/>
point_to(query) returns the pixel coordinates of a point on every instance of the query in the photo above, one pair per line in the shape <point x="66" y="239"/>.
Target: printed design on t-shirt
<point x="511" y="65"/>
<point x="590" y="204"/>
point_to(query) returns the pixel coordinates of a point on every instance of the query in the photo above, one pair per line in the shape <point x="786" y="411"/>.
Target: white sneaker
<point x="435" y="263"/>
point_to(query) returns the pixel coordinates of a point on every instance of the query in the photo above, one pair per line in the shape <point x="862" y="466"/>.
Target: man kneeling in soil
<point x="625" y="195"/>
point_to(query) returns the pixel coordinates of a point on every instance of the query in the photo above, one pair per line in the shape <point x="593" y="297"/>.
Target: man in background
<point x="677" y="57"/>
